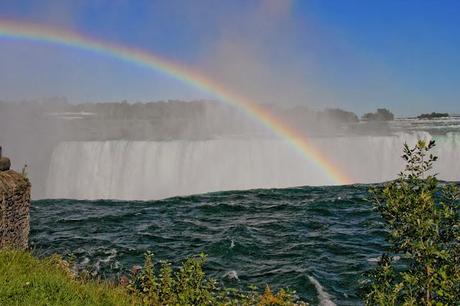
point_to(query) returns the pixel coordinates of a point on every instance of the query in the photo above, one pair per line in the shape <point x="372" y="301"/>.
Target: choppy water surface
<point x="303" y="238"/>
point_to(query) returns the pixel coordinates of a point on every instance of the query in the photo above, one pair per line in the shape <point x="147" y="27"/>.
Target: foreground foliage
<point x="26" y="280"/>
<point x="188" y="285"/>
<point x="424" y="229"/>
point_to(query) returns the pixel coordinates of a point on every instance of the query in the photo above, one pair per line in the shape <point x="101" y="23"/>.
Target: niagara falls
<point x="260" y="152"/>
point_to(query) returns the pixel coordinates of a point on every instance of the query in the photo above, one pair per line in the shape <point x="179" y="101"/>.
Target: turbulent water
<point x="145" y="170"/>
<point x="316" y="240"/>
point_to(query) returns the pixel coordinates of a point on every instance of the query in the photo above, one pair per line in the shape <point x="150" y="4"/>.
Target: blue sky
<point x="355" y="54"/>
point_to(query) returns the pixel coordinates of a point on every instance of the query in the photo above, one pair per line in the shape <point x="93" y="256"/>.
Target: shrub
<point x="433" y="115"/>
<point x="189" y="285"/>
<point x="422" y="217"/>
<point x="382" y="114"/>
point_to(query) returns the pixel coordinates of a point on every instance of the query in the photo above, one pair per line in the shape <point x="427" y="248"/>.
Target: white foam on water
<point x="112" y="254"/>
<point x="231" y="275"/>
<point x="374" y="259"/>
<point x="84" y="262"/>
<point x="378" y="258"/>
<point x="323" y="296"/>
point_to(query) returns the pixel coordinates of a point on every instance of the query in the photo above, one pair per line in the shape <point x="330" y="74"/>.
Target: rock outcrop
<point x="14" y="209"/>
<point x="5" y="163"/>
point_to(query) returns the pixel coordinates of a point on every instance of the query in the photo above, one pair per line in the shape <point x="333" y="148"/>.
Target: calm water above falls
<point x="284" y="237"/>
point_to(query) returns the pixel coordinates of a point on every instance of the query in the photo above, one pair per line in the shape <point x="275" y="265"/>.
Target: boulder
<point x="5" y="164"/>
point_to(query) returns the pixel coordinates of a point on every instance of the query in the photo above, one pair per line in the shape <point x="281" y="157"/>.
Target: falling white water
<point x="323" y="297"/>
<point x="144" y="170"/>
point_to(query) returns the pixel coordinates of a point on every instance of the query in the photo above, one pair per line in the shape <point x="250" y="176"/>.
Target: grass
<point x="26" y="280"/>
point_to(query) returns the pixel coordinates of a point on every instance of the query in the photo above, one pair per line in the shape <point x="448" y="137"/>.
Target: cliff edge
<point x="14" y="210"/>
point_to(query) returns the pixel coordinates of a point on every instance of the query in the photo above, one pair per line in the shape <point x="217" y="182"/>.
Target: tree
<point x="341" y="115"/>
<point x="423" y="221"/>
<point x="382" y="114"/>
<point x="433" y="115"/>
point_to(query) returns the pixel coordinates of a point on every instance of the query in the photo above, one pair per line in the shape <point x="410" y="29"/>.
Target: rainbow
<point x="33" y="32"/>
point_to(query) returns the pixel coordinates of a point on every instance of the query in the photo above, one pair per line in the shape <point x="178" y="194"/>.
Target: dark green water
<point x="281" y="237"/>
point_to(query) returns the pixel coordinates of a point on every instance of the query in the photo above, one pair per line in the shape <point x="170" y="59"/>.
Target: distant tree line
<point x="174" y="119"/>
<point x="433" y="115"/>
<point x="382" y="114"/>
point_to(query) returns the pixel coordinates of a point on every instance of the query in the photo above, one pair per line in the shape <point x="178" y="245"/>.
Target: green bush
<point x="422" y="217"/>
<point x="188" y="285"/>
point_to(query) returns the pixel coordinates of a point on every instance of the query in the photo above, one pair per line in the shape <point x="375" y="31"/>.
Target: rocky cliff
<point x="14" y="209"/>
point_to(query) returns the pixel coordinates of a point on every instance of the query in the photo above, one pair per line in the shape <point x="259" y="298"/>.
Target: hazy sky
<point x="354" y="54"/>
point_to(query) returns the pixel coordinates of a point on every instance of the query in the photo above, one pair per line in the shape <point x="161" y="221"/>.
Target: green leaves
<point x="189" y="285"/>
<point x="424" y="224"/>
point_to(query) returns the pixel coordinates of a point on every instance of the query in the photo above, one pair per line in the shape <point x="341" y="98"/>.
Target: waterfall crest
<point x="146" y="170"/>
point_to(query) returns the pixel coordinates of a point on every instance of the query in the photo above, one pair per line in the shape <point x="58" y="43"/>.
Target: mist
<point x="30" y="130"/>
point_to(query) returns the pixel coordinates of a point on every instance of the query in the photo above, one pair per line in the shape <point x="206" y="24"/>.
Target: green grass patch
<point x="26" y="280"/>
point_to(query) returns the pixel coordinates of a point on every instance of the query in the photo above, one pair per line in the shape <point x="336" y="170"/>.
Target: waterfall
<point x="144" y="170"/>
